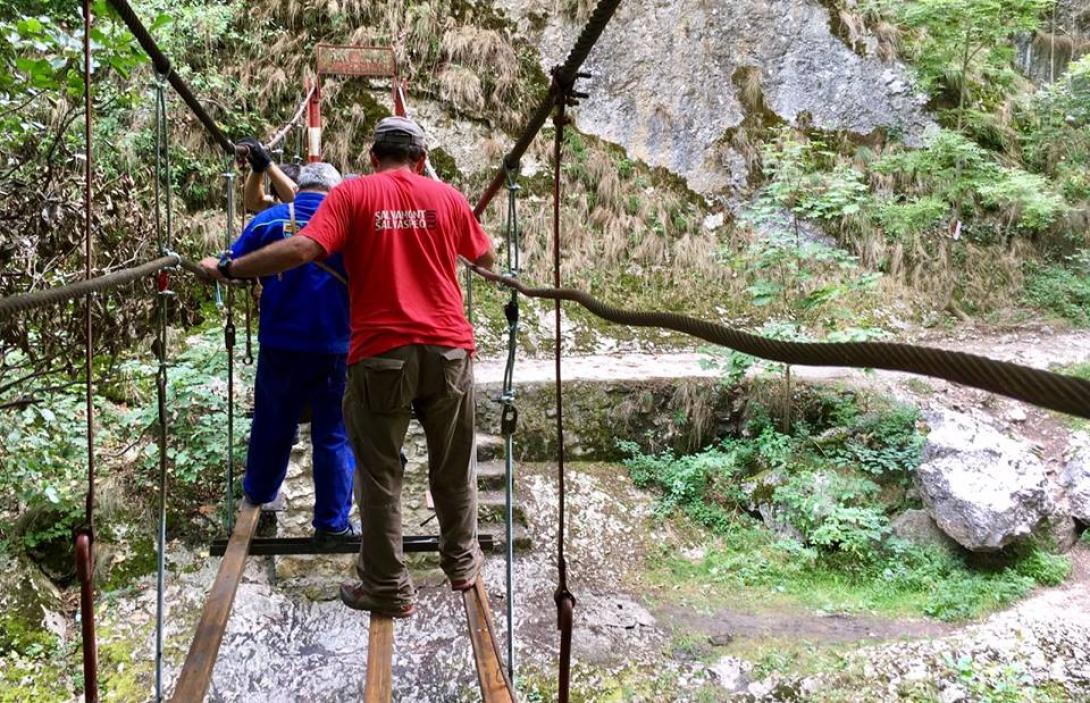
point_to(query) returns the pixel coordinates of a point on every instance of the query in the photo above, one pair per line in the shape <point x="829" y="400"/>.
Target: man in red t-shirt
<point x="400" y="235"/>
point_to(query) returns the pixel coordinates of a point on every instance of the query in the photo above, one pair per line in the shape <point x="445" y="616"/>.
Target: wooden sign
<point x="375" y="61"/>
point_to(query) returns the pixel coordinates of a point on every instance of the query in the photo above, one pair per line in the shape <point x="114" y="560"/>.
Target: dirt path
<point x="727" y="625"/>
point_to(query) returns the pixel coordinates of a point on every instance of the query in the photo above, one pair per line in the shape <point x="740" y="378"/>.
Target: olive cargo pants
<point x="438" y="382"/>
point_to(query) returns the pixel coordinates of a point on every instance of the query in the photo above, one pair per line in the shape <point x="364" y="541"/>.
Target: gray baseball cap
<point x="400" y="131"/>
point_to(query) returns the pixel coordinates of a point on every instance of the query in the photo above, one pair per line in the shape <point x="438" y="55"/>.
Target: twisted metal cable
<point x="296" y="118"/>
<point x="1047" y="389"/>
<point x="51" y="296"/>
<point x="565" y="75"/>
<point x="163" y="68"/>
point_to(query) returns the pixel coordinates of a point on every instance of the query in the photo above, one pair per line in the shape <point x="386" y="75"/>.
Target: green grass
<point x="746" y="567"/>
<point x="835" y="480"/>
<point x="1061" y="291"/>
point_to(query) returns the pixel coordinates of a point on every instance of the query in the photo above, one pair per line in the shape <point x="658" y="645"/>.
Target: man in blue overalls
<point x="303" y="335"/>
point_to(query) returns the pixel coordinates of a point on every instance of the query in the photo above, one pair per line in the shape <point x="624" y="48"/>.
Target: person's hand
<point x="210" y="264"/>
<point x="256" y="154"/>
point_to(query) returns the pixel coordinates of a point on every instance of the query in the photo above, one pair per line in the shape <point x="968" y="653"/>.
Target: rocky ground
<point x="288" y="641"/>
<point x="283" y="646"/>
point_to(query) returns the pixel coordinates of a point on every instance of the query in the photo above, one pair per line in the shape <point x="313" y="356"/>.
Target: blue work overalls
<point x="303" y="333"/>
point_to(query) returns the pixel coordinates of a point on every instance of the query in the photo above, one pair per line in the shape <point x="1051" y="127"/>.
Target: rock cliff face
<point x="673" y="78"/>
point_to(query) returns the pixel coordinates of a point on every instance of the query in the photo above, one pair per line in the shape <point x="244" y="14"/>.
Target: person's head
<point x="292" y="172"/>
<point x="318" y="177"/>
<point x="399" y="142"/>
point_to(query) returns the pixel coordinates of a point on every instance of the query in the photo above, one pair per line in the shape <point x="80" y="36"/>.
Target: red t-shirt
<point x="400" y="235"/>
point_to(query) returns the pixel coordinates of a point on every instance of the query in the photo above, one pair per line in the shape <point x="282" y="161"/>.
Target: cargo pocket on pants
<point x="384" y="385"/>
<point x="456" y="365"/>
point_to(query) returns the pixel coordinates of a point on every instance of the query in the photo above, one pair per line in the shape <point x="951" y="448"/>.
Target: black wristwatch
<point x="224" y="266"/>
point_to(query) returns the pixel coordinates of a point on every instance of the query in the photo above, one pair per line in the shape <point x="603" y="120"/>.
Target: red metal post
<point x="399" y="97"/>
<point x="85" y="569"/>
<point x="314" y="122"/>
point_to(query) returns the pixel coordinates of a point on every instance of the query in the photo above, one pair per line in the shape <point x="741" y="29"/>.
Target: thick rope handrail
<point x="564" y="76"/>
<point x="1046" y="389"/>
<point x="51" y="296"/>
<point x="163" y="67"/>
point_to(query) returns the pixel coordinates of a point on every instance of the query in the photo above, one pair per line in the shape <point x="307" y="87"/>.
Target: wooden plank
<point x="380" y="655"/>
<point x="192" y="685"/>
<point x="491" y="675"/>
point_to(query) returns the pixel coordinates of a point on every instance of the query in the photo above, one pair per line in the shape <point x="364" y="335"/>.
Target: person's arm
<point x="488" y="259"/>
<point x="473" y="244"/>
<point x="323" y="236"/>
<point x="254" y="197"/>
<point x="283" y="186"/>
<point x="275" y="258"/>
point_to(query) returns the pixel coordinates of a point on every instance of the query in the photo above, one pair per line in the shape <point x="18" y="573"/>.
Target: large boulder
<point x="1076" y="478"/>
<point x="983" y="488"/>
<point x="918" y="527"/>
<point x="30" y="605"/>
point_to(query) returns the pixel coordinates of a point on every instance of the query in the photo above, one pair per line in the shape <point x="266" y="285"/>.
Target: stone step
<point x="492" y="506"/>
<point x="491" y="476"/>
<point x="489" y="447"/>
<point x="519" y="532"/>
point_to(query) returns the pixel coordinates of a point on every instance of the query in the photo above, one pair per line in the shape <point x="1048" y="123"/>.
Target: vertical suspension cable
<point x="229" y="343"/>
<point x="165" y="238"/>
<point x="509" y="417"/>
<point x="85" y="535"/>
<point x="565" y="602"/>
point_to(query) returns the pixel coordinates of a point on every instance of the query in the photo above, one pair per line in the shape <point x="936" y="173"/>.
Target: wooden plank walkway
<point x="495" y="688"/>
<point x="380" y="655"/>
<point x="196" y="673"/>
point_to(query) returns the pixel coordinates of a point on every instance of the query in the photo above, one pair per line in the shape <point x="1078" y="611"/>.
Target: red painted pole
<point x="314" y="123"/>
<point x="399" y="97"/>
<point x="85" y="569"/>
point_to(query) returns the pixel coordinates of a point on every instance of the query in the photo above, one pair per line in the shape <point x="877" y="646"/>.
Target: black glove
<point x="257" y="155"/>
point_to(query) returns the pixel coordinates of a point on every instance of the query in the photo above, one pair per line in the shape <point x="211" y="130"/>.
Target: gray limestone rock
<point x="733" y="673"/>
<point x="918" y="527"/>
<point x="1076" y="478"/>
<point x="982" y="488"/>
<point x="665" y="76"/>
<point x="29" y="597"/>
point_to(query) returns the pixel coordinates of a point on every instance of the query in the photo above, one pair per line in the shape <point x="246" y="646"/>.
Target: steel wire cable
<point x="1046" y="389"/>
<point x="50" y="296"/>
<point x="565" y="75"/>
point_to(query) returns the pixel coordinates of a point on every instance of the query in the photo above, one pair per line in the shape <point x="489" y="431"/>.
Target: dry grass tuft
<point x="854" y="26"/>
<point x="889" y="40"/>
<point x="461" y="87"/>
<point x="694" y="412"/>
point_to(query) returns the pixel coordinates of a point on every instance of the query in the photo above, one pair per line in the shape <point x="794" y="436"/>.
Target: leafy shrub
<point x="1043" y="567"/>
<point x="197" y="407"/>
<point x="835" y="513"/>
<point x="826" y="489"/>
<point x="1061" y="290"/>
<point x="1028" y="198"/>
<point x="828" y="480"/>
<point x="887" y="443"/>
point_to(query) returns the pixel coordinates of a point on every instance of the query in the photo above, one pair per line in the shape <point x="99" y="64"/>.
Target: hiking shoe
<point x="353" y="595"/>
<point x="464" y="584"/>
<point x="348" y="534"/>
